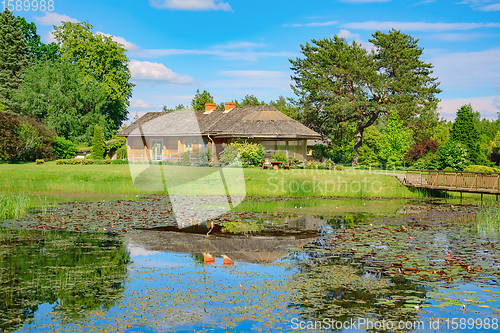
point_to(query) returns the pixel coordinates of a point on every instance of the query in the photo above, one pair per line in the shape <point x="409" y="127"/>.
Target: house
<point x="161" y="136"/>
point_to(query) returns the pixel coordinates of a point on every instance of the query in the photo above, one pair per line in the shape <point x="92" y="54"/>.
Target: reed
<point x="13" y="206"/>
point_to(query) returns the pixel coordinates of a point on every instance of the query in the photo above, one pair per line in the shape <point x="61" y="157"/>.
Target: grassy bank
<point x="84" y="182"/>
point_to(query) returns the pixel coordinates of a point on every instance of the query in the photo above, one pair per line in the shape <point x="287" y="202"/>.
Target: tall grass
<point x="488" y="221"/>
<point x="13" y="206"/>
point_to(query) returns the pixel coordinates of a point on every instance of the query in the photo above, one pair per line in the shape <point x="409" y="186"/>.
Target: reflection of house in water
<point x="305" y="223"/>
<point x="253" y="249"/>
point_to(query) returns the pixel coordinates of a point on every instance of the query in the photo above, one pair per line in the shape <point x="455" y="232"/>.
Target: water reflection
<point x="72" y="272"/>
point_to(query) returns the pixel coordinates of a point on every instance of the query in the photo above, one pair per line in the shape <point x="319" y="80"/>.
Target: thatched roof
<point x="261" y="121"/>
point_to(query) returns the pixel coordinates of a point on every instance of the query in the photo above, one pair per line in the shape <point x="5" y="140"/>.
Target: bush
<point x="229" y="154"/>
<point x="339" y="167"/>
<point x="78" y="161"/>
<point x="250" y="153"/>
<point x="60" y="162"/>
<point x="39" y="161"/>
<point x="186" y="158"/>
<point x="453" y="155"/>
<point x="98" y="146"/>
<point x="86" y="162"/>
<point x="126" y="162"/>
<point x="24" y="139"/>
<point x="279" y="156"/>
<point x="107" y="161"/>
<point x="318" y="152"/>
<point x="329" y="165"/>
<point x="121" y="153"/>
<point x="481" y="168"/>
<point x="421" y="149"/>
<point x="64" y="148"/>
<point x="311" y="165"/>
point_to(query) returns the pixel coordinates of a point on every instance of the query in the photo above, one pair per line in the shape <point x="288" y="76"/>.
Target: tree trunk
<point x="358" y="141"/>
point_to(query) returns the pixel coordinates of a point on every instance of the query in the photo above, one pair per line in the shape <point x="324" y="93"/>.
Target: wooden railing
<point x="459" y="181"/>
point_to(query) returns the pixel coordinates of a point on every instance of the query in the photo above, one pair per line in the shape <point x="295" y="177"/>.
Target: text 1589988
<point x="27" y="5"/>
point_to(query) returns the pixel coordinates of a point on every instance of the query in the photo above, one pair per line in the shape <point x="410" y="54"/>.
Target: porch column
<point x="286" y="148"/>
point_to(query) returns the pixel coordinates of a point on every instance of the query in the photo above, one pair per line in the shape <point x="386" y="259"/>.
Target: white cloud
<point x="468" y="70"/>
<point x="120" y="40"/>
<point x="417" y="26"/>
<point x="248" y="56"/>
<point x="51" y="18"/>
<point x="156" y="72"/>
<point x="50" y="38"/>
<point x="491" y="8"/>
<point x="311" y="24"/>
<point x="347" y="34"/>
<point x="482" y="5"/>
<point x="192" y="5"/>
<point x="457" y="37"/>
<point x="139" y="103"/>
<point x="488" y="107"/>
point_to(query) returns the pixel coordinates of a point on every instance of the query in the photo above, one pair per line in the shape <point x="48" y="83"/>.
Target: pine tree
<point x="199" y="100"/>
<point x="97" y="150"/>
<point x="464" y="131"/>
<point x="13" y="56"/>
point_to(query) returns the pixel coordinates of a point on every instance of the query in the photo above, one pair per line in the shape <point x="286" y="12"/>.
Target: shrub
<point x="59" y="162"/>
<point x="481" y="168"/>
<point x="453" y="155"/>
<point x="318" y="152"/>
<point x="126" y="162"/>
<point x="420" y="150"/>
<point x="429" y="162"/>
<point x="329" y="165"/>
<point x="121" y="153"/>
<point x="279" y="156"/>
<point x="86" y="162"/>
<point x="186" y="158"/>
<point x="77" y="161"/>
<point x="24" y="139"/>
<point x="98" y="147"/>
<point x="39" y="161"/>
<point x="64" y="148"/>
<point x="107" y="161"/>
<point x="311" y="165"/>
<point x="339" y="167"/>
<point x="250" y="153"/>
<point x="229" y="154"/>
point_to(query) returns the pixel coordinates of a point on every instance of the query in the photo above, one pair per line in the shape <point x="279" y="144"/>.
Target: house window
<point x="188" y="145"/>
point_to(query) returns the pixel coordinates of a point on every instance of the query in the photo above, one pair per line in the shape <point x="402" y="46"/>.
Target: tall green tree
<point x="98" y="144"/>
<point x="37" y="49"/>
<point x="396" y="141"/>
<point x="464" y="131"/>
<point x="340" y="82"/>
<point x="57" y="93"/>
<point x="250" y="100"/>
<point x="286" y="106"/>
<point x="102" y="60"/>
<point x="200" y="98"/>
<point x="13" y="56"/>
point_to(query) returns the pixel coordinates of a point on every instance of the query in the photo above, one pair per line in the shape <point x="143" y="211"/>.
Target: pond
<point x="291" y="265"/>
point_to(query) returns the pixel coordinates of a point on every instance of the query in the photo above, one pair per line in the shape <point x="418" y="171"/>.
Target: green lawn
<point x="81" y="182"/>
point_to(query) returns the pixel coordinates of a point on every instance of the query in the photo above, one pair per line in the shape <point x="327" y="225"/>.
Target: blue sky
<point x="237" y="47"/>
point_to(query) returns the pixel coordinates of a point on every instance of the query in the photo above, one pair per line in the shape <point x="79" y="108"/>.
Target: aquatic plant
<point x="13" y="206"/>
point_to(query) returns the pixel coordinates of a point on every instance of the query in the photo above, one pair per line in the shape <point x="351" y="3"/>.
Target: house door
<point x="157" y="150"/>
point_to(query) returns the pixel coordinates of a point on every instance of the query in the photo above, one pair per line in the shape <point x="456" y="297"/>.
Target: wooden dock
<point x="456" y="181"/>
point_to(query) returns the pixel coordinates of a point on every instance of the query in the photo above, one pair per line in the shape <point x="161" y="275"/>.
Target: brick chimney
<point x="210" y="106"/>
<point x="229" y="105"/>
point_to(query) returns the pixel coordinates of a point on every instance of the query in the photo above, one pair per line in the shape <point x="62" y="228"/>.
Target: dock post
<point x="481" y="198"/>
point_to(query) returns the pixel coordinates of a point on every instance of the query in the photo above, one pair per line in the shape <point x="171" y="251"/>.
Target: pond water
<point x="415" y="266"/>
